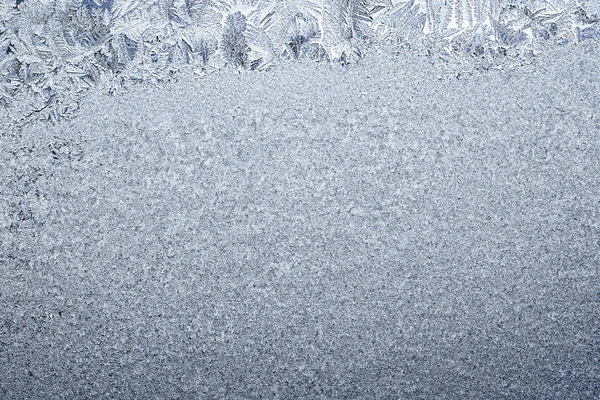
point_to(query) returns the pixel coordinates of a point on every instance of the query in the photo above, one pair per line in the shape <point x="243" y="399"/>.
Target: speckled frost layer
<point x="386" y="230"/>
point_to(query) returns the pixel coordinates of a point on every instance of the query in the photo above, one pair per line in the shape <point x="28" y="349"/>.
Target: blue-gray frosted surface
<point x="392" y="229"/>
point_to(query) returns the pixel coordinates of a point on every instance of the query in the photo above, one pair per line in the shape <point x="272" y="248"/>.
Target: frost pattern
<point x="53" y="51"/>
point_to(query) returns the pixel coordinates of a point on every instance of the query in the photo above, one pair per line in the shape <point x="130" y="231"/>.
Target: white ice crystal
<point x="52" y="51"/>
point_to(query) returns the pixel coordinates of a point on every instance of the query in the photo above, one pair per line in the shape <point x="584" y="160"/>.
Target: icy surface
<point x="391" y="229"/>
<point x="53" y="51"/>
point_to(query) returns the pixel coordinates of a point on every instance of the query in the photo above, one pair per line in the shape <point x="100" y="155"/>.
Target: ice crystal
<point x="53" y="51"/>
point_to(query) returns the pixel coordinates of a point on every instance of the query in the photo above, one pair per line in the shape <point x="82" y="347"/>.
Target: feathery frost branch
<point x="52" y="50"/>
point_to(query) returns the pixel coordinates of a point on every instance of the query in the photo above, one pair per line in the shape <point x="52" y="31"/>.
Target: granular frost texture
<point x="391" y="229"/>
